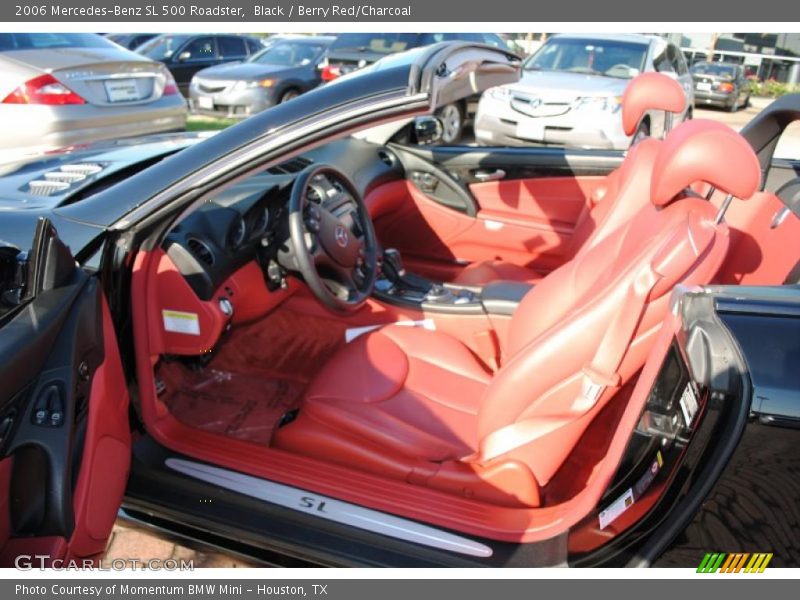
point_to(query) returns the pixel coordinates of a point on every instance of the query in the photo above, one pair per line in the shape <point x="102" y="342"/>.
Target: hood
<point x="242" y="70"/>
<point x="92" y="163"/>
<point x="68" y="58"/>
<point x="568" y="86"/>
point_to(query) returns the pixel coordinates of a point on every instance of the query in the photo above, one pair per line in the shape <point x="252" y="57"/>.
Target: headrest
<point x="650" y="91"/>
<point x="704" y="151"/>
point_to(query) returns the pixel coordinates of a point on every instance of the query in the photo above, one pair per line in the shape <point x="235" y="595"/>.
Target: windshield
<point x="162" y="47"/>
<point x="609" y="58"/>
<point x="43" y="41"/>
<point x="714" y="69"/>
<point x="288" y="54"/>
<point x="381" y="43"/>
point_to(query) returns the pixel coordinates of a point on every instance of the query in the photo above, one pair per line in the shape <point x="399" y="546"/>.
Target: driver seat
<point x="619" y="198"/>
<point x="418" y="406"/>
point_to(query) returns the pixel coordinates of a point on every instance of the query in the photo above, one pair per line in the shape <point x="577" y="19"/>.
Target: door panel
<point x="524" y="214"/>
<point x="555" y="201"/>
<point x="65" y="449"/>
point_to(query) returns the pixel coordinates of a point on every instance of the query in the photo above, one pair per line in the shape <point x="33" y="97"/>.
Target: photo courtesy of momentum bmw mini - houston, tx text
<point x="315" y="285"/>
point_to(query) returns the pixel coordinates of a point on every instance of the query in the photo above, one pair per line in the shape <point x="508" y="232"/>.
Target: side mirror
<point x="428" y="130"/>
<point x="184" y="56"/>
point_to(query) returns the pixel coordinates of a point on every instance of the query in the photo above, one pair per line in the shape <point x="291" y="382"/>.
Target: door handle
<point x="495" y="175"/>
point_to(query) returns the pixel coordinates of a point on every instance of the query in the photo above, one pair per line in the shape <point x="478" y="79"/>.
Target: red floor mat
<point x="259" y="372"/>
<point x="245" y="406"/>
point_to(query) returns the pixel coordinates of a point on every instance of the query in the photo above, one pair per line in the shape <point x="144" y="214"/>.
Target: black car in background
<point x="353" y="51"/>
<point x="186" y="54"/>
<point x="280" y="72"/>
<point x="131" y="41"/>
<point x="720" y="84"/>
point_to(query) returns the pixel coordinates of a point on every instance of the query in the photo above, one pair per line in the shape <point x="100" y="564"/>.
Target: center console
<point x="396" y="286"/>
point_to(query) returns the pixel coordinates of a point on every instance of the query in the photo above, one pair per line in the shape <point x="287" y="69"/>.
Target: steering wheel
<point x="336" y="255"/>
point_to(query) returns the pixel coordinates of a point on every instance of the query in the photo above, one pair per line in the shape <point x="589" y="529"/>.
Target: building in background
<point x="764" y="55"/>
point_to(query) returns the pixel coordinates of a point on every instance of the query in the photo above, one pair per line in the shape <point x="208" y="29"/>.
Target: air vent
<point x="64" y="176"/>
<point x="387" y="158"/>
<point x="60" y="180"/>
<point x="201" y="250"/>
<point x="294" y="165"/>
<point x="83" y="168"/>
<point x="47" y="188"/>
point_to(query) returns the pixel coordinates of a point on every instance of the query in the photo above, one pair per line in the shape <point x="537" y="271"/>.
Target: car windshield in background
<point x="714" y="69"/>
<point x="288" y="54"/>
<point x="162" y="47"/>
<point x="45" y="41"/>
<point x="623" y="60"/>
<point x="382" y="43"/>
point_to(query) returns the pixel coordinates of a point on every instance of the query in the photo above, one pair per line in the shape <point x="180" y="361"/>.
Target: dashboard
<point x="249" y="219"/>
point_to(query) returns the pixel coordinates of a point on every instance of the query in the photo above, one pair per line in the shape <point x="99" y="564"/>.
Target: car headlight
<point x="605" y="103"/>
<point x="498" y="93"/>
<point x="249" y="85"/>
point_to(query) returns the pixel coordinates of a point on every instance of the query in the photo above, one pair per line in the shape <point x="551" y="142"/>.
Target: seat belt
<point x="601" y="372"/>
<point x="677" y="255"/>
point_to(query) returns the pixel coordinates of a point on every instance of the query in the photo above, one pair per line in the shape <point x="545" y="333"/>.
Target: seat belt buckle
<point x="594" y="384"/>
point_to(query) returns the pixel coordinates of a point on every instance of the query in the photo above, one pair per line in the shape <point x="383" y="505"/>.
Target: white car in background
<point x="62" y="89"/>
<point x="571" y="89"/>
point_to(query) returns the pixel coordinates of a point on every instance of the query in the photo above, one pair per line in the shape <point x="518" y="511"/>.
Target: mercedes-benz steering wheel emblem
<point x="341" y="236"/>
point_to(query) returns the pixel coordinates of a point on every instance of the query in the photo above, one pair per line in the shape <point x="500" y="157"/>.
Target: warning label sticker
<point x="178" y="321"/>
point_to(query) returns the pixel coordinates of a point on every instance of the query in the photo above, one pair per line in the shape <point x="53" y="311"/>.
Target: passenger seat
<point x="615" y="203"/>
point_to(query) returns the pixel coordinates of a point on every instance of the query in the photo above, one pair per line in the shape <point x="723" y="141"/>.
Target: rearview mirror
<point x="184" y="56"/>
<point x="428" y="130"/>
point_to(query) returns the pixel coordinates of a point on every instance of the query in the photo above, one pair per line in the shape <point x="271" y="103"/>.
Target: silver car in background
<point x="571" y="90"/>
<point x="62" y="89"/>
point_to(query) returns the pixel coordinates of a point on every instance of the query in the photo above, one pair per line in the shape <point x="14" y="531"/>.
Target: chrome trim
<point x="118" y="75"/>
<point x="330" y="509"/>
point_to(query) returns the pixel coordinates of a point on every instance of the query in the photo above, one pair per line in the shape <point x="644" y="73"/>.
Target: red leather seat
<point x="618" y="199"/>
<point x="416" y="405"/>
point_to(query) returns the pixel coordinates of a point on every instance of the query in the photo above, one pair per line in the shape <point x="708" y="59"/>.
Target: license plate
<point x="704" y="87"/>
<point x="530" y="130"/>
<point x="205" y="102"/>
<point x="122" y="90"/>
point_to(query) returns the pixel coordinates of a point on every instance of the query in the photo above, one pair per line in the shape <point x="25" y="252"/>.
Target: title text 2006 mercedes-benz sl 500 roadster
<point x="319" y="338"/>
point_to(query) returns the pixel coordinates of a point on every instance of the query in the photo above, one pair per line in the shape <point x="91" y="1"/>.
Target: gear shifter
<point x="393" y="264"/>
<point x="394" y="270"/>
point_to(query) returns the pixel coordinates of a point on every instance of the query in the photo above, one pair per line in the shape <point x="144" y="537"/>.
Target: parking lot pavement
<point x="789" y="145"/>
<point x="129" y="543"/>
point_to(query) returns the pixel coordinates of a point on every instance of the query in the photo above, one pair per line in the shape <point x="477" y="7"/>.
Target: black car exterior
<point x="51" y="326"/>
<point x="284" y="70"/>
<point x="186" y="54"/>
